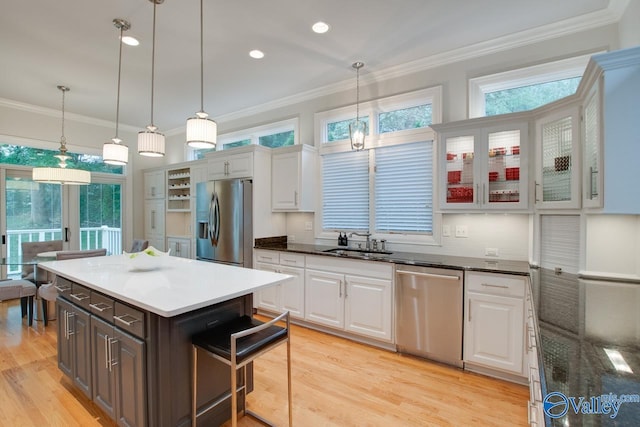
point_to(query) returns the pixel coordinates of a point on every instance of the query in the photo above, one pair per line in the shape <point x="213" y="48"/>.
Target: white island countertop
<point x="179" y="286"/>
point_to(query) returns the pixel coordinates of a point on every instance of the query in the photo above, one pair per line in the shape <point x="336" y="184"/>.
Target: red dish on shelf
<point x="453" y="177"/>
<point x="515" y="149"/>
<point x="493" y="176"/>
<point x="512" y="174"/>
<point x="451" y="156"/>
<point x="460" y="195"/>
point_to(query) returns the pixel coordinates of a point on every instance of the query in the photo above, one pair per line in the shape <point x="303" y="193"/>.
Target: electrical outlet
<point x="446" y="231"/>
<point x="491" y="252"/>
<point x="308" y="226"/>
<point x="462" y="231"/>
<point x="291" y="238"/>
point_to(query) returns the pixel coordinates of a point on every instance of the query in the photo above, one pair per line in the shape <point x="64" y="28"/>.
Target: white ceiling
<point x="44" y="43"/>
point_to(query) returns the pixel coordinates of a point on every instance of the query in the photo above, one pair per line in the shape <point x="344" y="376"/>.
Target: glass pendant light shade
<point x="202" y="132"/>
<point x="61" y="176"/>
<point x="114" y="153"/>
<point x="150" y="143"/>
<point x="357" y="131"/>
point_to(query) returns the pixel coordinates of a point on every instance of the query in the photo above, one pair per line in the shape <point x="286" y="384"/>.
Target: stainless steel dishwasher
<point x="429" y="313"/>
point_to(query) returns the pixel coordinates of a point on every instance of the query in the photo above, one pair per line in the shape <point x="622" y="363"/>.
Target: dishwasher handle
<point x="428" y="275"/>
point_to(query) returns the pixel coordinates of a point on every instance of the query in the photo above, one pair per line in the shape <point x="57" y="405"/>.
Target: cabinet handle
<point x="340" y="289"/>
<point x="469" y="312"/>
<point x="226" y="167"/>
<point x="345" y="289"/>
<point x="484" y="190"/>
<point x="112" y="362"/>
<point x="107" y="356"/>
<point x="61" y="289"/>
<point x="101" y="307"/>
<point x="295" y="198"/>
<point x="153" y="191"/>
<point x="535" y="191"/>
<point x="68" y="331"/>
<point x="478" y="194"/>
<point x="592" y="194"/>
<point x="127" y="323"/>
<point x="153" y="220"/>
<point x="489" y="285"/>
<point x="79" y="297"/>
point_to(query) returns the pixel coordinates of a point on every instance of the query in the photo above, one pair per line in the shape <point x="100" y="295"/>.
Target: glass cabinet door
<point x="592" y="137"/>
<point x="460" y="182"/>
<point x="504" y="167"/>
<point x="557" y="185"/>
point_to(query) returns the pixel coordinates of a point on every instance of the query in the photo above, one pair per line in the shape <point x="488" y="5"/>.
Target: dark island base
<point x="169" y="366"/>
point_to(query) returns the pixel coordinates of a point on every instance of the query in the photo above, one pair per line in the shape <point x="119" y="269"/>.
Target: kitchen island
<point x="124" y="337"/>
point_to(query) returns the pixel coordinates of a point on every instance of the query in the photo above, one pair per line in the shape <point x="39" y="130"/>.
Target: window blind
<point x="560" y="242"/>
<point x="345" y="191"/>
<point x="403" y="188"/>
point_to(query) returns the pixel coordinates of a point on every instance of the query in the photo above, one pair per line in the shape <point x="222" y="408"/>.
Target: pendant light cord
<point x="358" y="94"/>
<point x="201" y="57"/>
<point x="153" y="56"/>
<point x="119" y="72"/>
<point x="63" y="140"/>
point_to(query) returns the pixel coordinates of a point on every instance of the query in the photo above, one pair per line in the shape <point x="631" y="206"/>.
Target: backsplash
<point x="508" y="233"/>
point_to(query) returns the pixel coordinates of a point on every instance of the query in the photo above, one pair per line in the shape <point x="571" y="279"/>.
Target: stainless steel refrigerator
<point x="224" y="228"/>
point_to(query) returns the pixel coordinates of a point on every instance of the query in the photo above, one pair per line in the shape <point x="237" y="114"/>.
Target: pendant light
<point x="201" y="130"/>
<point x="150" y="142"/>
<point x="113" y="152"/>
<point x="357" y="128"/>
<point x="62" y="174"/>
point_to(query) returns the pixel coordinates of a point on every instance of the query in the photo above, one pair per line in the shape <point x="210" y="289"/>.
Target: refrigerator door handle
<point x="214" y="219"/>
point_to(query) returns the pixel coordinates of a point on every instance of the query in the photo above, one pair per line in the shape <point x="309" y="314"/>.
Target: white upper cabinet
<point x="484" y="164"/>
<point x="224" y="166"/>
<point x="293" y="173"/>
<point x="611" y="145"/>
<point x="154" y="185"/>
<point x="557" y="183"/>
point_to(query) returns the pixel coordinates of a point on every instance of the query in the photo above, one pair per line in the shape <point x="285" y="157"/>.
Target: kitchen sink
<point x="363" y="253"/>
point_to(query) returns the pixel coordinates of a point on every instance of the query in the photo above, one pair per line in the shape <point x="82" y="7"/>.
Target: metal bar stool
<point x="237" y="343"/>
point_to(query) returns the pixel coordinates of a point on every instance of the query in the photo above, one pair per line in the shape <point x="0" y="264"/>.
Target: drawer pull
<point x="101" y="307"/>
<point x="490" y="285"/>
<point x="62" y="289"/>
<point x="125" y="322"/>
<point x="79" y="297"/>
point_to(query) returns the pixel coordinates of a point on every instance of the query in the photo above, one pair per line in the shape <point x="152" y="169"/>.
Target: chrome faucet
<point x="367" y="235"/>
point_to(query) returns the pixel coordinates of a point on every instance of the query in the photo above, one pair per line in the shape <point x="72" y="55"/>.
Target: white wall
<point x="629" y="27"/>
<point x="612" y="245"/>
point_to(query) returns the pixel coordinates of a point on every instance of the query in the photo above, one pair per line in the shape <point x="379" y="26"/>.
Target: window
<point x="272" y="135"/>
<point x="31" y="156"/>
<point x="386" y="189"/>
<point x="525" y="88"/>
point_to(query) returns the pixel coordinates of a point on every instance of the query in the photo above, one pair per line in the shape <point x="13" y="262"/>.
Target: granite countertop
<point x="410" y="258"/>
<point x="584" y="326"/>
<point x="179" y="286"/>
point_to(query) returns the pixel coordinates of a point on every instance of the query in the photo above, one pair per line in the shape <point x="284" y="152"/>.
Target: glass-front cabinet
<point x="592" y="140"/>
<point x="557" y="182"/>
<point x="485" y="166"/>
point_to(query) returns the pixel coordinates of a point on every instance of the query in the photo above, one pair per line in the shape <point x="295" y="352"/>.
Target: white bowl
<point x="148" y="259"/>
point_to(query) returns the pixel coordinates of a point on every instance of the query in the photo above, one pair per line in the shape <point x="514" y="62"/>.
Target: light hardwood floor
<point x="336" y="382"/>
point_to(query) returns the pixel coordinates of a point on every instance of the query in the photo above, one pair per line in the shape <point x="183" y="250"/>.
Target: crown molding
<point x="610" y="15"/>
<point x="9" y="103"/>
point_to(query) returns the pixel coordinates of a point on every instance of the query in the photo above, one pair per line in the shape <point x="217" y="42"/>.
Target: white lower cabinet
<point x="494" y="322"/>
<point x="288" y="296"/>
<point x="339" y="296"/>
<point x="179" y="246"/>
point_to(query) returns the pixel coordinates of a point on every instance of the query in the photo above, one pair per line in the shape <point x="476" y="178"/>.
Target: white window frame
<point x="372" y="109"/>
<point x="254" y="134"/>
<point x="536" y="74"/>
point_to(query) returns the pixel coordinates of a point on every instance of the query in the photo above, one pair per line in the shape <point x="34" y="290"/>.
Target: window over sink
<point x="387" y="188"/>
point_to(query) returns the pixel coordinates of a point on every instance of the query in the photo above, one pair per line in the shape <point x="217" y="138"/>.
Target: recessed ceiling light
<point x="256" y="54"/>
<point x="130" y="40"/>
<point x="320" y="27"/>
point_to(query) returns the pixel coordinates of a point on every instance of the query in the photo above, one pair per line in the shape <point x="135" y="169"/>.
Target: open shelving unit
<point x="179" y="190"/>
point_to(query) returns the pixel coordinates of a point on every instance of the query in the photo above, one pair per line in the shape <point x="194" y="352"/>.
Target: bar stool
<point x="237" y="343"/>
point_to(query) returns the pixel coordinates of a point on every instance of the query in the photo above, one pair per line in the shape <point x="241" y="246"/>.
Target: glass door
<point x="100" y="217"/>
<point x="32" y="212"/>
